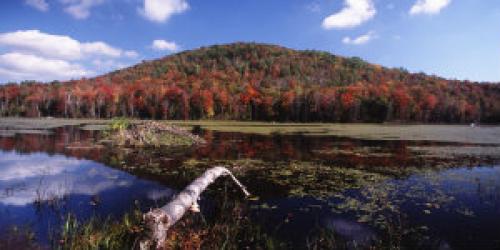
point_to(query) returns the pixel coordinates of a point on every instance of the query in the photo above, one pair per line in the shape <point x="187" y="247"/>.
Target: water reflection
<point x="351" y="230"/>
<point x="45" y="176"/>
<point x="39" y="189"/>
<point x="38" y="178"/>
<point x="341" y="151"/>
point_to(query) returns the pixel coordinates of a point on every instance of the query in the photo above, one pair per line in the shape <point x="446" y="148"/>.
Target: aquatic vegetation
<point x="457" y="151"/>
<point x="15" y="123"/>
<point x="375" y="151"/>
<point x="98" y="233"/>
<point x="120" y="123"/>
<point x="230" y="227"/>
<point x="18" y="238"/>
<point x="382" y="132"/>
<point x="372" y="198"/>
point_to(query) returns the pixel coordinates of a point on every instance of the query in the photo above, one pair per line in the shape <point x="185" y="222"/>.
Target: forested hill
<point x="248" y="81"/>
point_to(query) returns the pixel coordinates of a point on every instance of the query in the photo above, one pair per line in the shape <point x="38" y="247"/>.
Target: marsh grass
<point x="442" y="133"/>
<point x="99" y="233"/>
<point x="14" y="123"/>
<point x="119" y="123"/>
<point x="456" y="151"/>
<point x="18" y="238"/>
<point x="228" y="227"/>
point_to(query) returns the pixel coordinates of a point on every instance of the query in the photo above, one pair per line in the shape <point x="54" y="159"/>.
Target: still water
<point x="305" y="183"/>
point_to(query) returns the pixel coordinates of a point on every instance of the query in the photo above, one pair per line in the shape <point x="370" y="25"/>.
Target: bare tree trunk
<point x="161" y="219"/>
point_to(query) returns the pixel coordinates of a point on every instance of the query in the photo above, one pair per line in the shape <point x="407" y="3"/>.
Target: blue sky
<point x="65" y="39"/>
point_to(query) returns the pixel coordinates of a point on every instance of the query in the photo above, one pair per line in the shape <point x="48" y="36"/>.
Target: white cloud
<point x="80" y="9"/>
<point x="161" y="10"/>
<point x="429" y="7"/>
<point x="101" y="48"/>
<point x="34" y="55"/>
<point x="354" y="13"/>
<point x="57" y="46"/>
<point x="40" y="5"/>
<point x="20" y="66"/>
<point x="163" y="45"/>
<point x="363" y="39"/>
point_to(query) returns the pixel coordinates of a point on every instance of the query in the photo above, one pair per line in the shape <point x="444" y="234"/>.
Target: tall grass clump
<point x="98" y="233"/>
<point x="120" y="123"/>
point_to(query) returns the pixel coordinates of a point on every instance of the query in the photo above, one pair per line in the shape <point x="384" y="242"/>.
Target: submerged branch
<point x="160" y="220"/>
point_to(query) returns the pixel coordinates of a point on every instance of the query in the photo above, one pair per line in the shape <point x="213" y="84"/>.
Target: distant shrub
<point x="120" y="123"/>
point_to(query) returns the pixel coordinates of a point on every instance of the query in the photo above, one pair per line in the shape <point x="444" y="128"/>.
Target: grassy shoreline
<point x="408" y="132"/>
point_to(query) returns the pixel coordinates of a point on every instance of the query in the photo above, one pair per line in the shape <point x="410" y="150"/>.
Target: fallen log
<point x="159" y="220"/>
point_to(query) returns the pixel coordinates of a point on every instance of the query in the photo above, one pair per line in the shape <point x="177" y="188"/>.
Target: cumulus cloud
<point x="161" y="10"/>
<point x="354" y="13"/>
<point x="163" y="45"/>
<point x="34" y="55"/>
<point x="80" y="9"/>
<point x="57" y="46"/>
<point x="40" y="5"/>
<point x="429" y="7"/>
<point x="363" y="39"/>
<point x="101" y="48"/>
<point x="20" y="66"/>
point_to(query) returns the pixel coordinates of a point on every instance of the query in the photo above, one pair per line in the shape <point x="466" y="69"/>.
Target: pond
<point x="310" y="188"/>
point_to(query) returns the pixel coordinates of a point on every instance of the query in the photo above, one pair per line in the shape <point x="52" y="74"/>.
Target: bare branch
<point x="160" y="220"/>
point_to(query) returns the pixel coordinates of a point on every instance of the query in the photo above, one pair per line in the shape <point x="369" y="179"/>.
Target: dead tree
<point x="159" y="220"/>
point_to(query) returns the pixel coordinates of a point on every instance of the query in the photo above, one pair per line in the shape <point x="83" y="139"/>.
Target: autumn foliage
<point x="247" y="81"/>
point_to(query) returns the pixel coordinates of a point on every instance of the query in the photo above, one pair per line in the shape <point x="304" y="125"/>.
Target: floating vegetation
<point x="14" y="123"/>
<point x="382" y="132"/>
<point x="95" y="127"/>
<point x="456" y="151"/>
<point x="357" y="151"/>
<point x="372" y="198"/>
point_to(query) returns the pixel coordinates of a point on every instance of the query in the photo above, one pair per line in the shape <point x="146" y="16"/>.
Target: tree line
<point x="247" y="81"/>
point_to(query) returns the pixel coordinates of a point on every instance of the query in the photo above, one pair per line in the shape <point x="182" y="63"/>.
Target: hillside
<point x="248" y="81"/>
